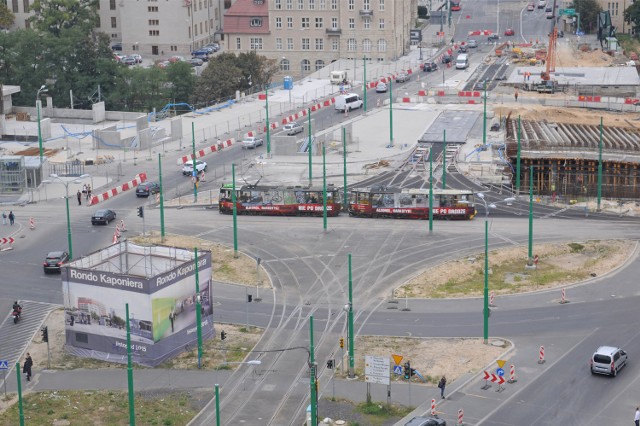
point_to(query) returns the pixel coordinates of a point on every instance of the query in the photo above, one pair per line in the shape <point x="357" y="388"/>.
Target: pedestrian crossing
<point x="16" y="337"/>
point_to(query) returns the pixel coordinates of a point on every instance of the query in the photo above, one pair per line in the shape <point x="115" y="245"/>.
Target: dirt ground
<point x="597" y="257"/>
<point x="567" y="115"/>
<point x="569" y="56"/>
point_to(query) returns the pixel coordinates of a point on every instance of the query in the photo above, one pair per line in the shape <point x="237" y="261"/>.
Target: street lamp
<point x="66" y="183"/>
<point x="42" y="89"/>
<point x="509" y="201"/>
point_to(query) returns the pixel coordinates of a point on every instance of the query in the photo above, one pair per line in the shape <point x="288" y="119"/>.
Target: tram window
<point x="406" y="200"/>
<point x="244" y="197"/>
<point x="256" y="196"/>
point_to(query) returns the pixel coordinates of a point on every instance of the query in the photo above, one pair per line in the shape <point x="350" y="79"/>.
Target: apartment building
<point x="152" y="28"/>
<point x="616" y="10"/>
<point x="306" y="35"/>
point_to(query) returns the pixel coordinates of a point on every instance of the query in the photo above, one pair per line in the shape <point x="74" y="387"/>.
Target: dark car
<point x="195" y="62"/>
<point x="430" y="66"/>
<point x="446" y="58"/>
<point x="54" y="261"/>
<point x="201" y="54"/>
<point x="103" y="216"/>
<point x="402" y="77"/>
<point x="494" y="37"/>
<point x="463" y="48"/>
<point x="116" y="47"/>
<point x="147" y="188"/>
<point x="426" y="421"/>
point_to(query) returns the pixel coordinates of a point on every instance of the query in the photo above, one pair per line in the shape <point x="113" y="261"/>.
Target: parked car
<point x="530" y="7"/>
<point x="430" y="66"/>
<point x="187" y="168"/>
<point x="54" y="261"/>
<point x="147" y="188"/>
<point x="509" y="32"/>
<point x="493" y="37"/>
<point x="381" y="87"/>
<point x="426" y="421"/>
<point x="201" y="54"/>
<point x="472" y="43"/>
<point x="251" y="142"/>
<point x="293" y="128"/>
<point x="118" y="57"/>
<point x="117" y="47"/>
<point x="402" y="77"/>
<point x="103" y="217"/>
<point x="128" y="60"/>
<point x="463" y="48"/>
<point x="137" y="57"/>
<point x="196" y="62"/>
<point x="608" y="360"/>
<point x="176" y="58"/>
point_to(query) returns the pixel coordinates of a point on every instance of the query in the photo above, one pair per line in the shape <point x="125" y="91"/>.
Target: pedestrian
<point x="637" y="416"/>
<point x="26" y="368"/>
<point x="516" y="95"/>
<point x="172" y="317"/>
<point x="4" y="217"/>
<point x="88" y="192"/>
<point x="441" y="384"/>
<point x="12" y="217"/>
<point x="79" y="195"/>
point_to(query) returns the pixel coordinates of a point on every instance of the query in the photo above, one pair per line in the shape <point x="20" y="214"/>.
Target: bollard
<point x="541" y="359"/>
<point x="32" y="223"/>
<point x="512" y="374"/>
<point x="564" y="299"/>
<point x="491" y="298"/>
<point x="122" y="227"/>
<point x="460" y="417"/>
<point x="433" y="407"/>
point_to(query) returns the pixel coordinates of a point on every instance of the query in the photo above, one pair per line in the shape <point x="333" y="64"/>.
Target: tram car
<point x="279" y="200"/>
<point x="412" y="203"/>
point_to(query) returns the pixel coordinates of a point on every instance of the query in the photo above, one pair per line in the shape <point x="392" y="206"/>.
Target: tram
<point x="412" y="203"/>
<point x="279" y="200"/>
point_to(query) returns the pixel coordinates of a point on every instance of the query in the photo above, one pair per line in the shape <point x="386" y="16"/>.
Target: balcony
<point x="334" y="31"/>
<point x="366" y="13"/>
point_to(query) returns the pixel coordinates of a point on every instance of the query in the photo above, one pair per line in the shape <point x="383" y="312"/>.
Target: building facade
<point x="151" y="28"/>
<point x="616" y="10"/>
<point x="306" y="35"/>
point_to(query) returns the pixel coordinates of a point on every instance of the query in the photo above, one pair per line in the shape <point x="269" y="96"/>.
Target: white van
<point x="542" y="4"/>
<point x="462" y="61"/>
<point x="348" y="102"/>
<point x="337" y="77"/>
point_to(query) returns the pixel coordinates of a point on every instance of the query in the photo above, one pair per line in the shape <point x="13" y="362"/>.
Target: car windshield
<point x="101" y="212"/>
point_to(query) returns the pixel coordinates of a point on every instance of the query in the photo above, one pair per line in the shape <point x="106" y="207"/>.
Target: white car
<point x="187" y="168"/>
<point x="381" y="87"/>
<point x="292" y="128"/>
<point x="251" y="142"/>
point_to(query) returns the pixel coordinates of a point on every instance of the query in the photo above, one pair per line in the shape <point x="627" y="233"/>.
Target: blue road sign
<point x="4" y="365"/>
<point x="500" y="372"/>
<point x="397" y="370"/>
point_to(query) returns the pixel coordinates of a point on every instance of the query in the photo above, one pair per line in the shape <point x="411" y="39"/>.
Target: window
<point x="289" y="4"/>
<point x="322" y="4"/>
<point x="305" y="44"/>
<point x="334" y="4"/>
<point x="334" y="23"/>
<point x="278" y="22"/>
<point x="300" y="4"/>
<point x="351" y="45"/>
<point x="98" y="22"/>
<point x="319" y="44"/>
<point x="381" y="7"/>
<point x="112" y="4"/>
<point x="289" y="22"/>
<point x="289" y="44"/>
<point x="256" y="43"/>
<point x="15" y="6"/>
<point x="285" y="65"/>
<point x="367" y="23"/>
<point x="114" y="23"/>
<point x="382" y="45"/>
<point x="366" y="45"/>
<point x="152" y="22"/>
<point x="335" y="44"/>
<point x="255" y="22"/>
<point x="152" y="8"/>
<point x="278" y="4"/>
<point x="25" y="5"/>
<point x="312" y="4"/>
<point x="366" y="5"/>
<point x="278" y="43"/>
<point x="305" y="22"/>
<point x="154" y="33"/>
<point x="319" y="23"/>
<point x="381" y="24"/>
<point x="306" y="65"/>
<point x="319" y="64"/>
<point x="352" y="4"/>
<point x="238" y="44"/>
<point x="352" y="23"/>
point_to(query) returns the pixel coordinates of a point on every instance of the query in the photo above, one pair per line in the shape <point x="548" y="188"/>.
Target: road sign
<point x="376" y="369"/>
<point x="415" y="35"/>
<point x="397" y="359"/>
<point x="397" y="370"/>
<point x="4" y="365"/>
<point x="567" y="11"/>
<point x="500" y="362"/>
<point x="500" y="372"/>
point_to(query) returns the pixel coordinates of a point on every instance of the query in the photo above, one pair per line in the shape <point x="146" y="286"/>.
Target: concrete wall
<point x="45" y="128"/>
<point x="98" y="112"/>
<point x="77" y="114"/>
<point x="176" y="128"/>
<point x="142" y="122"/>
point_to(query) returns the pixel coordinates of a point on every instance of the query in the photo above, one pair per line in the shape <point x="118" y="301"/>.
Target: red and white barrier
<point x="512" y="374"/>
<point x="140" y="178"/>
<point x="541" y="356"/>
<point x="32" y="223"/>
<point x="564" y="299"/>
<point x="433" y="407"/>
<point x="492" y="296"/>
<point x="460" y="417"/>
<point x="204" y="151"/>
<point x="115" y="238"/>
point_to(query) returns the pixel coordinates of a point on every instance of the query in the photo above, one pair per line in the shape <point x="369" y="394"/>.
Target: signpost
<point x="569" y="12"/>
<point x="377" y="370"/>
<point x="4" y="366"/>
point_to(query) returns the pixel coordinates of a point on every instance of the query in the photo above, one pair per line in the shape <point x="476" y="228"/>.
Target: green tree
<point x="218" y="81"/>
<point x="588" y="10"/>
<point x="181" y="81"/>
<point x="632" y="14"/>
<point x="260" y="68"/>
<point x="53" y="16"/>
<point x="7" y="18"/>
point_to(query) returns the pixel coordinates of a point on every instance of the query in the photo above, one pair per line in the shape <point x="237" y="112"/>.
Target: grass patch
<point x="80" y="408"/>
<point x="576" y="247"/>
<point x="379" y="413"/>
<point x="628" y="43"/>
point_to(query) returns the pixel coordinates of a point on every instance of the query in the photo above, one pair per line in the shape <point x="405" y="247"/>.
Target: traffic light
<point x="407" y="370"/>
<point x="330" y="364"/>
<point x="342" y="342"/>
<point x="141" y="211"/>
<point x="45" y="334"/>
<point x="223" y="335"/>
<point x="413" y="372"/>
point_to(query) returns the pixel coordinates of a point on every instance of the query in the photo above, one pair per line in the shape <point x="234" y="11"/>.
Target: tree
<point x="218" y="81"/>
<point x="632" y="14"/>
<point x="7" y="18"/>
<point x="181" y="81"/>
<point x="588" y="10"/>
<point x="257" y="69"/>
<point x="54" y="15"/>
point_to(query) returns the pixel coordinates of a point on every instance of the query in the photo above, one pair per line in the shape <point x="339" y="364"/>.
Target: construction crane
<point x="548" y="85"/>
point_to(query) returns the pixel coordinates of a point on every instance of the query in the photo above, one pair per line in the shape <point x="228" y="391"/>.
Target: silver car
<point x="251" y="142"/>
<point x="608" y="360"/>
<point x="472" y="43"/>
<point x="292" y="128"/>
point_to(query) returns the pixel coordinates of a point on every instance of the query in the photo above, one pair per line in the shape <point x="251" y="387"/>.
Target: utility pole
<point x="600" y="166"/>
<point x="518" y="160"/>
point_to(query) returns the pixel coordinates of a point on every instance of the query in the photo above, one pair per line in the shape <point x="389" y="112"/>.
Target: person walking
<point x="441" y="384"/>
<point x="516" y="95"/>
<point x="88" y="192"/>
<point x="172" y="318"/>
<point x="79" y="195"/>
<point x="636" y="418"/>
<point x="4" y="217"/>
<point x="26" y="368"/>
<point x="12" y="217"/>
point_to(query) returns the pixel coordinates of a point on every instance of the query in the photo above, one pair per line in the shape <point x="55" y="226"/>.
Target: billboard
<point x="162" y="308"/>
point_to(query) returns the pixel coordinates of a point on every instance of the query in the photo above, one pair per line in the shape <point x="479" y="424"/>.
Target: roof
<point x="598" y="76"/>
<point x="237" y="19"/>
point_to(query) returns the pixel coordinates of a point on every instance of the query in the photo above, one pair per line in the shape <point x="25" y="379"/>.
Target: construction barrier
<point x="541" y="355"/>
<point x="433" y="407"/>
<point x="512" y="374"/>
<point x="32" y="223"/>
<point x="563" y="300"/>
<point x="460" y="417"/>
<point x="492" y="296"/>
<point x="583" y="98"/>
<point x="202" y="152"/>
<point x="140" y="178"/>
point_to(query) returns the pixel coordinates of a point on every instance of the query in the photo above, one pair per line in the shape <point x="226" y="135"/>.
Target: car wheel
<point x="593" y="372"/>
